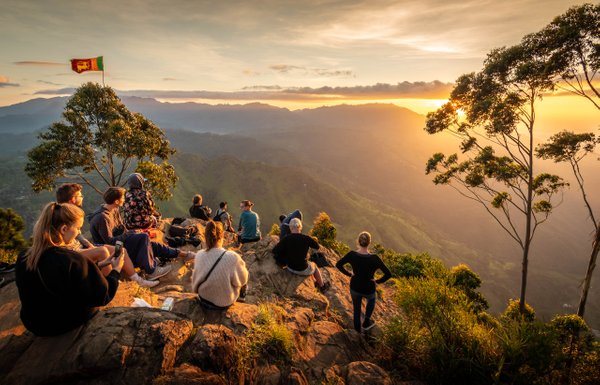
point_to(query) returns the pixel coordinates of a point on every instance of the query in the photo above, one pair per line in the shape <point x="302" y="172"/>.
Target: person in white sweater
<point x="219" y="288"/>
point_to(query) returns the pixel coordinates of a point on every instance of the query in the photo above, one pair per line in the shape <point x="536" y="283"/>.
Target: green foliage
<point x="405" y="265"/>
<point x="512" y="312"/>
<point x="326" y="233"/>
<point x="267" y="341"/>
<point x="99" y="135"/>
<point x="11" y="235"/>
<point x="440" y="336"/>
<point x="567" y="146"/>
<point x="464" y="278"/>
<point x="275" y="229"/>
<point x="570" y="48"/>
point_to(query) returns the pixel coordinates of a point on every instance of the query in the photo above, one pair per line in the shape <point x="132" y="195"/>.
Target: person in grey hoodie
<point x="139" y="208"/>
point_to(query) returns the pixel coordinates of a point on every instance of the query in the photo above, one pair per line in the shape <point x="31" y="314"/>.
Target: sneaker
<point x="159" y="271"/>
<point x="7" y="267"/>
<point x="325" y="287"/>
<point x="368" y="324"/>
<point x="146" y="283"/>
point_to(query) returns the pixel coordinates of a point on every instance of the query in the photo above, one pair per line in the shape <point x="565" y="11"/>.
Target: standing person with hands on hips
<point x="362" y="284"/>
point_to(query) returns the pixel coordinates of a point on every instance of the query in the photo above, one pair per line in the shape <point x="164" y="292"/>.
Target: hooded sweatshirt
<point x="103" y="223"/>
<point x="139" y="206"/>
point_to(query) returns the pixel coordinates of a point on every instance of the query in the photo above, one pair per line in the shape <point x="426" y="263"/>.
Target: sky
<point x="286" y="53"/>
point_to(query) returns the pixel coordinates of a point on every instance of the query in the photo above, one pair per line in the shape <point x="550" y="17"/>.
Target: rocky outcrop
<point x="189" y="345"/>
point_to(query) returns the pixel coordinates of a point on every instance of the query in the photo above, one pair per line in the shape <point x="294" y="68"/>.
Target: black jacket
<point x="63" y="292"/>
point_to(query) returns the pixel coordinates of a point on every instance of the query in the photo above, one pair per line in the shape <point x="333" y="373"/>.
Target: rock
<point x="238" y="318"/>
<point x="362" y="372"/>
<point x="297" y="377"/>
<point x="267" y="375"/>
<point x="119" y="345"/>
<point x="10" y="308"/>
<point x="189" y="375"/>
<point x="213" y="348"/>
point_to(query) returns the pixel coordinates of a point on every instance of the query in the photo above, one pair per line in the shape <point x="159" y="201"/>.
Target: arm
<point x="84" y="242"/>
<point x="387" y="274"/>
<point x="105" y="231"/>
<point x="92" y="287"/>
<point x="340" y="265"/>
<point x="240" y="277"/>
<point x="313" y="243"/>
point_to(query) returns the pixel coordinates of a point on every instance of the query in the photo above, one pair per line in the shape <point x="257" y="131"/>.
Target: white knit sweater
<point x="223" y="286"/>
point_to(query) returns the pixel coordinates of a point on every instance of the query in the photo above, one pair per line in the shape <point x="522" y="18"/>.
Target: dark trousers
<point x="357" y="304"/>
<point x="142" y="251"/>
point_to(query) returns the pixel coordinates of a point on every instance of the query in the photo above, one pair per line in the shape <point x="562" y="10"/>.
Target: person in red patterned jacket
<point x="139" y="208"/>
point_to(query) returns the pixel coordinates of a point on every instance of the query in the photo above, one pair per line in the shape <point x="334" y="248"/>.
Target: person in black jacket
<point x="293" y="252"/>
<point x="362" y="284"/>
<point x="59" y="288"/>
<point x="198" y="210"/>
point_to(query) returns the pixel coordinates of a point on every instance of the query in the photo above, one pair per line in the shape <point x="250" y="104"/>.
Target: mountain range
<point x="364" y="165"/>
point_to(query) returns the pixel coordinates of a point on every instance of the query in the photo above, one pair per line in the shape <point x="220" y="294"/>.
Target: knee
<point x="103" y="252"/>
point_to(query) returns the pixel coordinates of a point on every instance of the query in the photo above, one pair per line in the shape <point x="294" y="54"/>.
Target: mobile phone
<point x="118" y="250"/>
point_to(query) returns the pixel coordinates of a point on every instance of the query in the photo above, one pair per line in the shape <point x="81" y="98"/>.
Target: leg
<point x="356" y="304"/>
<point x="97" y="254"/>
<point x="370" y="308"/>
<point x="140" y="252"/>
<point x="164" y="252"/>
<point x="318" y="277"/>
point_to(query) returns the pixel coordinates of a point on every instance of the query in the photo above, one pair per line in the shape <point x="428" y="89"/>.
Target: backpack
<point x="183" y="231"/>
<point x="217" y="218"/>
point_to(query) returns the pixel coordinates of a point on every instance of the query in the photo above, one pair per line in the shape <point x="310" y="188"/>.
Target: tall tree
<point x="571" y="47"/>
<point x="573" y="148"/>
<point x="100" y="136"/>
<point x="493" y="113"/>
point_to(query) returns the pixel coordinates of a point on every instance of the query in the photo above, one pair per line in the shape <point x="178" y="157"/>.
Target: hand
<point x="117" y="263"/>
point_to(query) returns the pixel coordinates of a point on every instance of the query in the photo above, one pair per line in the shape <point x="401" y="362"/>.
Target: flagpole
<point x="103" y="79"/>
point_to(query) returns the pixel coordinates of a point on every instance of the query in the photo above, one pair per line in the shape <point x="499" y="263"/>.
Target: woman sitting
<point x="219" y="275"/>
<point x="60" y="289"/>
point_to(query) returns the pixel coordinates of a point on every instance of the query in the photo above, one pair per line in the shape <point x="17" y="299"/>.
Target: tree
<point x="11" y="234"/>
<point x="497" y="106"/>
<point x="573" y="148"/>
<point x="570" y="45"/>
<point x="99" y="136"/>
<point x="326" y="233"/>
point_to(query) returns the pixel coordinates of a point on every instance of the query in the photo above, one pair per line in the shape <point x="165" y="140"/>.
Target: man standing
<point x="249" y="226"/>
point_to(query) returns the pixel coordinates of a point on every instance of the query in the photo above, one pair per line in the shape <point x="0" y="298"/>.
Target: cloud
<point x="301" y="70"/>
<point x="39" y="63"/>
<point x="169" y="79"/>
<point x="5" y="82"/>
<point x="249" y="72"/>
<point x="403" y="90"/>
<point x="49" y="83"/>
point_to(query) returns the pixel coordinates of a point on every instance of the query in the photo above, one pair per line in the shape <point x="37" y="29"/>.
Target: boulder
<point x="362" y="372"/>
<point x="119" y="345"/>
<point x="213" y="348"/>
<point x="189" y="375"/>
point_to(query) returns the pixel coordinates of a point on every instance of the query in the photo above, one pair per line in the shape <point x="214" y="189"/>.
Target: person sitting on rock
<point x="139" y="208"/>
<point x="220" y="276"/>
<point x="71" y="193"/>
<point x="59" y="288"/>
<point x="362" y="284"/>
<point x="198" y="210"/>
<point x="249" y="226"/>
<point x="105" y="222"/>
<point x="293" y="251"/>
<point x="224" y="217"/>
<point x="284" y="227"/>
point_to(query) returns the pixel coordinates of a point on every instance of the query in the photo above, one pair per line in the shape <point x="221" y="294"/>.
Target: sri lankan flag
<point x="82" y="65"/>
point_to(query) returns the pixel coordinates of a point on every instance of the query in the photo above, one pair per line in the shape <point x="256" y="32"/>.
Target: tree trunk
<point x="588" y="274"/>
<point x="529" y="214"/>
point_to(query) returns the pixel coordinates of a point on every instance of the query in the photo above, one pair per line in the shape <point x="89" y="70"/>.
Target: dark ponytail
<point x="213" y="233"/>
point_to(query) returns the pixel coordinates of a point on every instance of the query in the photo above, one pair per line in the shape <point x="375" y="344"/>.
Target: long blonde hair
<point x="46" y="232"/>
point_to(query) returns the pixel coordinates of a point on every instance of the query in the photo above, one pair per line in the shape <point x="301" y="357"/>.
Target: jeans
<point x="357" y="304"/>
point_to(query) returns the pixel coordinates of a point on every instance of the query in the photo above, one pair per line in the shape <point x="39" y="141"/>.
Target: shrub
<point x="275" y="230"/>
<point x="11" y="236"/>
<point x="464" y="278"/>
<point x="267" y="341"/>
<point x="512" y="312"/>
<point x="326" y="233"/>
<point x="444" y="340"/>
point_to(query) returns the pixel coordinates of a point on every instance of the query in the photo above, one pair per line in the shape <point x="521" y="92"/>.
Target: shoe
<point x="7" y="267"/>
<point x="159" y="271"/>
<point x="368" y="324"/>
<point x="325" y="287"/>
<point x="146" y="283"/>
